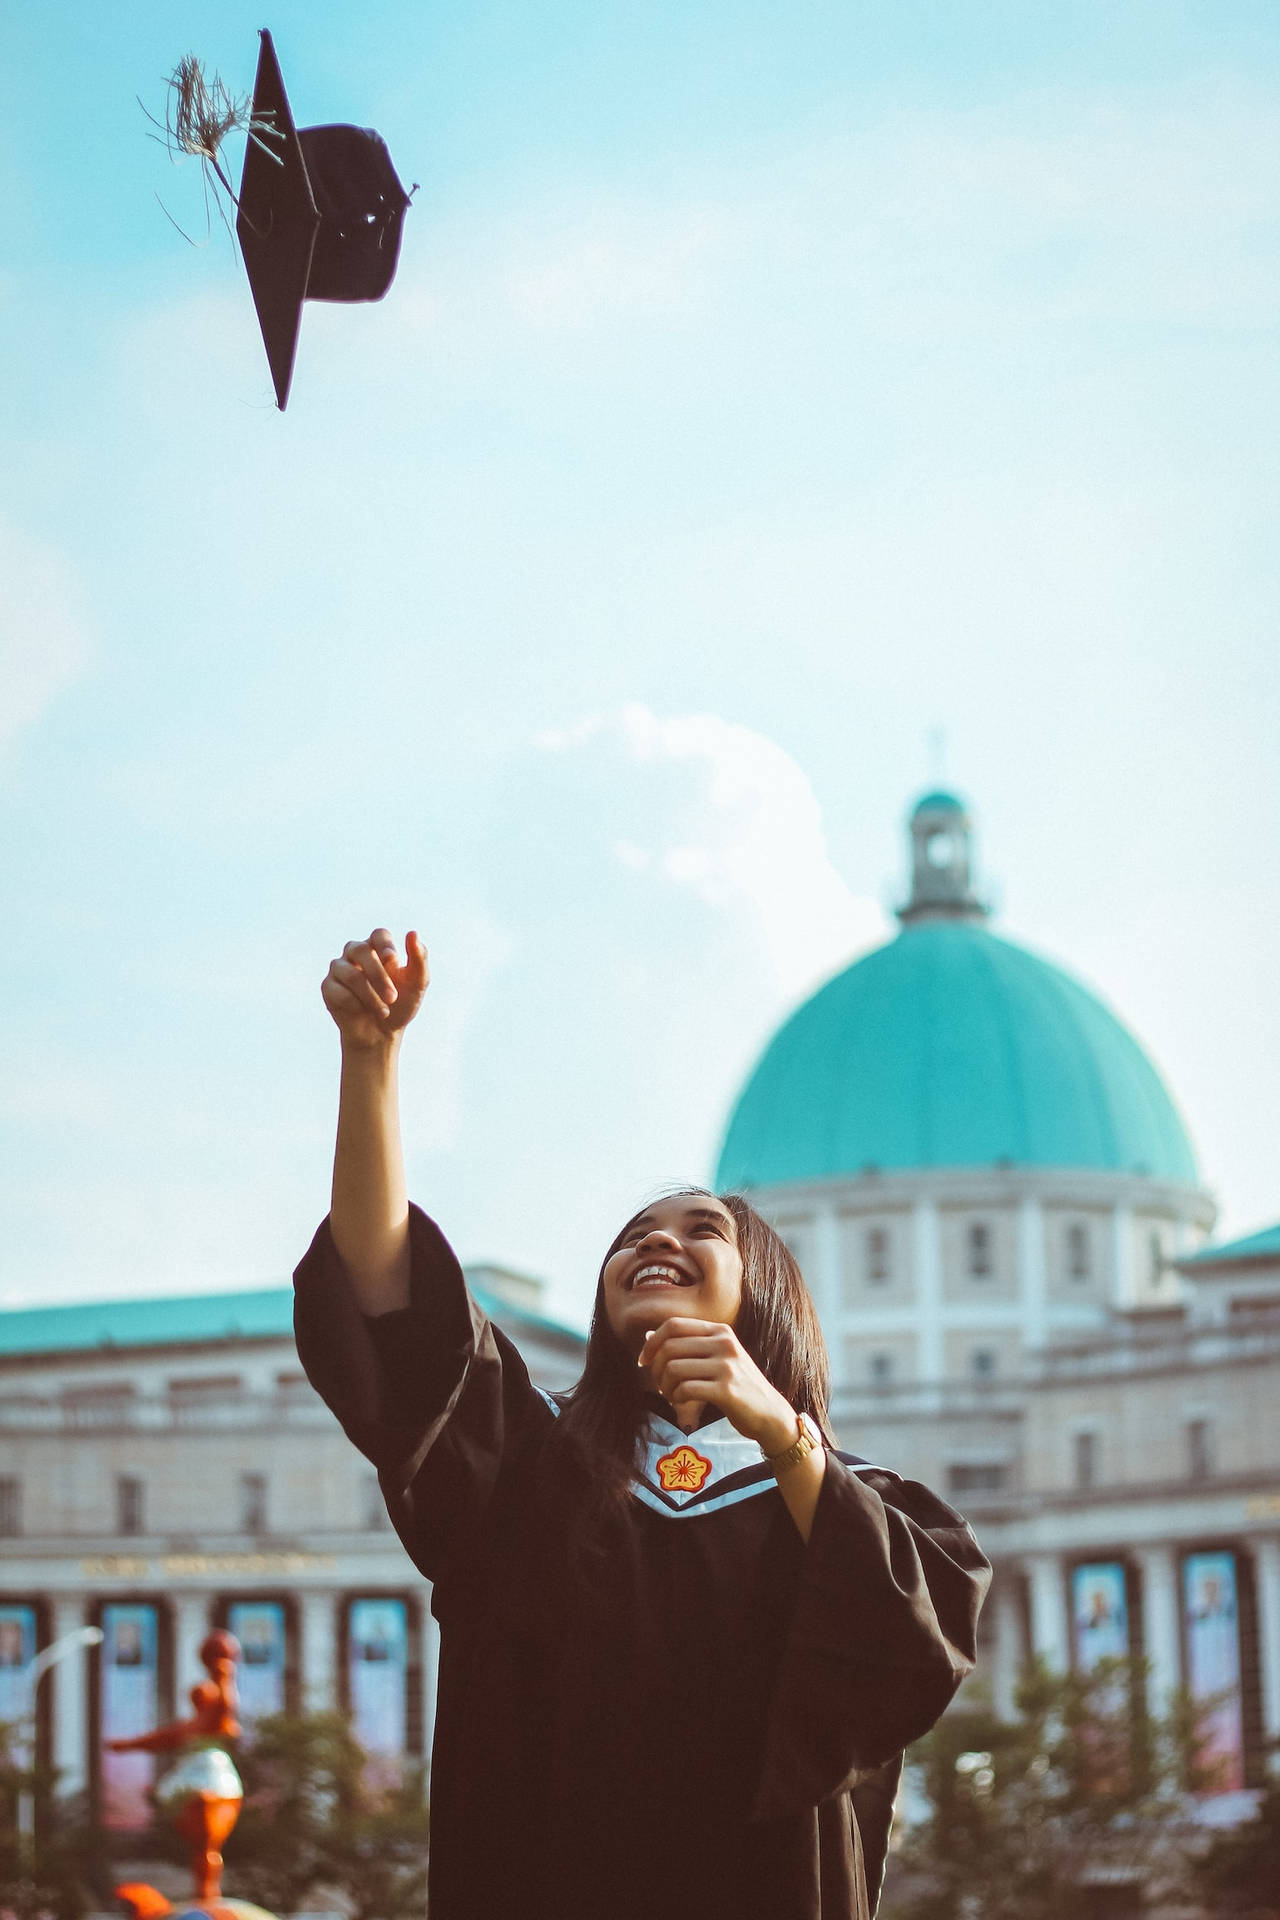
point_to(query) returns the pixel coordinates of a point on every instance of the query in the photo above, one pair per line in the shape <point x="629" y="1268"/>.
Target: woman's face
<point x="680" y="1256"/>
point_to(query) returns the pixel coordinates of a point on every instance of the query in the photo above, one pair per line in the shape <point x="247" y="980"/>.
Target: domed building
<point x="1000" y="1212"/>
<point x="970" y="1154"/>
<point x="1001" y="1215"/>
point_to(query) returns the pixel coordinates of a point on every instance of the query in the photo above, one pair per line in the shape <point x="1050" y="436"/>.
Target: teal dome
<point x="950" y="1047"/>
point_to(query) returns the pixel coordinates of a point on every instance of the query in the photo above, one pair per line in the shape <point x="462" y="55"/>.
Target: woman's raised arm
<point x="372" y="995"/>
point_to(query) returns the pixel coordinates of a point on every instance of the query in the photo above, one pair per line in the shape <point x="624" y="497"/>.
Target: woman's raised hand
<point x="693" y="1362"/>
<point x="371" y="992"/>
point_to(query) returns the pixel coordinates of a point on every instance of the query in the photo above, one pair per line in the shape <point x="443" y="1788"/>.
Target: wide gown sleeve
<point x="434" y="1395"/>
<point x="883" y="1632"/>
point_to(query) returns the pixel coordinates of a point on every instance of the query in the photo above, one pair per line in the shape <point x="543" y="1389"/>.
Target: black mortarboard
<point x="319" y="219"/>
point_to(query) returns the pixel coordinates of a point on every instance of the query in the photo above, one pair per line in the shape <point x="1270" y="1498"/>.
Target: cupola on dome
<point x="952" y="1047"/>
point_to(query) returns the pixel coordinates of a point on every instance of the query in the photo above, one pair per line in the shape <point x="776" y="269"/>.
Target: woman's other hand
<point x="371" y="992"/>
<point x="691" y="1362"/>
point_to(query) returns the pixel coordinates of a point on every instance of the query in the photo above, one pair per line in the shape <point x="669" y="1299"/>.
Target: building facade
<point x="999" y="1209"/>
<point x="1001" y="1215"/>
<point x="165" y="1467"/>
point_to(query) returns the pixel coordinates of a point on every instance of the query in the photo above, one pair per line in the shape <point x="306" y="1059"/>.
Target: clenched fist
<point x="371" y="992"/>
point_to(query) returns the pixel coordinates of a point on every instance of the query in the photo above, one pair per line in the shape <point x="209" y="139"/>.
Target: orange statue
<point x="202" y="1793"/>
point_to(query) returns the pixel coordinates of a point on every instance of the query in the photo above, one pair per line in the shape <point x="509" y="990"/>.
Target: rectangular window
<point x="377" y="1683"/>
<point x="195" y="1401"/>
<point x="1258" y="1306"/>
<point x="130" y="1515"/>
<point x="879" y="1269"/>
<point x="1199" y="1449"/>
<point x="1079" y="1263"/>
<point x="1155" y="1259"/>
<point x="979" y="1250"/>
<point x="1085" y="1459"/>
<point x="1211" y="1630"/>
<point x="978" y="1476"/>
<point x="1099" y="1613"/>
<point x="253" y="1503"/>
<point x="128" y="1704"/>
<point x="882" y="1368"/>
<point x="10" y="1506"/>
<point x="262" y="1679"/>
<point x="109" y="1405"/>
<point x="17" y="1651"/>
<point x="982" y="1363"/>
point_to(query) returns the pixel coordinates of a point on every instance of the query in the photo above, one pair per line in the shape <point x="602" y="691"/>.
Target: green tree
<point x="380" y="1854"/>
<point x="312" y="1825"/>
<point x="297" y="1772"/>
<point x="53" y="1873"/>
<point x="1239" y="1873"/>
<point x="1055" y="1815"/>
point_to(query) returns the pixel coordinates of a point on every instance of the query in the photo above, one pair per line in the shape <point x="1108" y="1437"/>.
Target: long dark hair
<point x="601" y="1417"/>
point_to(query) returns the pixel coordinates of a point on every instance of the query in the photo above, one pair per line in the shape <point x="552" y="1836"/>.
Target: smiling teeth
<point x="667" y="1275"/>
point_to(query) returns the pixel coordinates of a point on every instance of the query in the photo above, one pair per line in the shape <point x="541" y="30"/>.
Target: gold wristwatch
<point x="808" y="1439"/>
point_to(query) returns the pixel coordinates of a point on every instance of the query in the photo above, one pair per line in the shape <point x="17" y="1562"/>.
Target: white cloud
<point x="748" y="839"/>
<point x="44" y="641"/>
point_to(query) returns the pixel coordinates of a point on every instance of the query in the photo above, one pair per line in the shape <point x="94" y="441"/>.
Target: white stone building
<point x="999" y="1210"/>
<point x="165" y="1467"/>
<point x="1000" y="1213"/>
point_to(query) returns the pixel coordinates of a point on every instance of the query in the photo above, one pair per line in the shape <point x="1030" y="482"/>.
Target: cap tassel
<point x="199" y="114"/>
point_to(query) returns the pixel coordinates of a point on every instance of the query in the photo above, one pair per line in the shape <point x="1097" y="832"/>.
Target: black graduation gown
<point x="703" y="1717"/>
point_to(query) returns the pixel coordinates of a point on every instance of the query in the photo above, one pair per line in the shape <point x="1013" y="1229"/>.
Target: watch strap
<point x="808" y="1439"/>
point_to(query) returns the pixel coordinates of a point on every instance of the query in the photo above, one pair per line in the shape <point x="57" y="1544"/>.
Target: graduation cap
<point x="319" y="216"/>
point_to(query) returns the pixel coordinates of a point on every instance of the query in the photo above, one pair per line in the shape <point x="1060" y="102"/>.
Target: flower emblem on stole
<point x="683" y="1470"/>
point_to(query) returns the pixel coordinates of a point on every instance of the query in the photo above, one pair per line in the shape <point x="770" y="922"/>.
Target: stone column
<point x="826" y="1280"/>
<point x="190" y="1629"/>
<point x="1160" y="1625"/>
<point x="70" y="1683"/>
<point x="1266" y="1566"/>
<point x="1123" y="1283"/>
<point x="1050" y="1626"/>
<point x="1031" y="1274"/>
<point x="928" y="1263"/>
<point x="318" y="1620"/>
<point x="1008" y="1653"/>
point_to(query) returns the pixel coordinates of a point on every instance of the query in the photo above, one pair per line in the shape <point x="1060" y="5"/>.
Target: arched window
<point x="879" y="1268"/>
<point x="979" y="1250"/>
<point x="1079" y="1261"/>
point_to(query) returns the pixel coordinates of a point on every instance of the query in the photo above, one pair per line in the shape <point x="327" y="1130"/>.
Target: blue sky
<point x="762" y="389"/>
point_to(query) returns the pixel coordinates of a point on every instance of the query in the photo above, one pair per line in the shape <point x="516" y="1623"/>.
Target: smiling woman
<point x="706" y="1298"/>
<point x="684" y="1638"/>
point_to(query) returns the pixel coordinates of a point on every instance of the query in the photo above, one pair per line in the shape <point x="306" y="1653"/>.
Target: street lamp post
<point x="48" y="1657"/>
